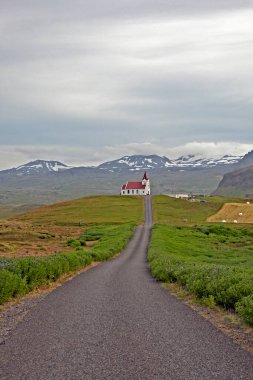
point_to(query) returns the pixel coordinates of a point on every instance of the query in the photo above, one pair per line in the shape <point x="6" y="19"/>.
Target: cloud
<point x="15" y="155"/>
<point x="87" y="75"/>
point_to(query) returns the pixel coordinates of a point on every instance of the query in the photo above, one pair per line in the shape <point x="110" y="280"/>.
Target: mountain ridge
<point x="136" y="163"/>
<point x="132" y="163"/>
<point x="37" y="167"/>
<point x="239" y="183"/>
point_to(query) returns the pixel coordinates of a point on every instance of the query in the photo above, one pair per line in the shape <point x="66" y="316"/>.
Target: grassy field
<point x="44" y="231"/>
<point x="88" y="210"/>
<point x="230" y="212"/>
<point x="39" y="246"/>
<point x="213" y="261"/>
<point x="168" y="210"/>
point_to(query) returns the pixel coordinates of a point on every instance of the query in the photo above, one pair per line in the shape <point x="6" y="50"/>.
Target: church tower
<point x="146" y="182"/>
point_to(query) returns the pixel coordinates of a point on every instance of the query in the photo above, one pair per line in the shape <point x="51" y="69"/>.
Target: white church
<point x="137" y="188"/>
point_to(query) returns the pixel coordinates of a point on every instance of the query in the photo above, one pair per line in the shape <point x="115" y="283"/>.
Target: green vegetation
<point x="88" y="210"/>
<point x="169" y="210"/>
<point x="104" y="225"/>
<point x="214" y="262"/>
<point x="19" y="276"/>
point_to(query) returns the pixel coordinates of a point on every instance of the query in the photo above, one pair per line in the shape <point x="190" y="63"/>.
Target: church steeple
<point x="145" y="177"/>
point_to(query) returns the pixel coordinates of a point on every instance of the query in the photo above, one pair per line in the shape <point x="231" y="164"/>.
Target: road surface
<point x="115" y="322"/>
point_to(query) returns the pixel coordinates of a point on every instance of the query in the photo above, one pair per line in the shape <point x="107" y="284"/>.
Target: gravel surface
<point x="115" y="322"/>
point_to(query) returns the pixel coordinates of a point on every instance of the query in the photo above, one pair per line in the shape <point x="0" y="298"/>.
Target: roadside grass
<point x="20" y="276"/>
<point x="212" y="261"/>
<point x="40" y="246"/>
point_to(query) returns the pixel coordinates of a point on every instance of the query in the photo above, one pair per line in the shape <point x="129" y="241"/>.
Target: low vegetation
<point x="45" y="231"/>
<point x="39" y="246"/>
<point x="19" y="276"/>
<point x="168" y="210"/>
<point x="85" y="211"/>
<point x="213" y="261"/>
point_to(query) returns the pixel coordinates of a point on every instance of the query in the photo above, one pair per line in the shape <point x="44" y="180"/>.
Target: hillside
<point x="237" y="183"/>
<point x="45" y="231"/>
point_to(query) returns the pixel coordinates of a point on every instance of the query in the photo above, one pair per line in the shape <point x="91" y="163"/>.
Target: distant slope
<point x="247" y="160"/>
<point x="237" y="183"/>
<point x="36" y="167"/>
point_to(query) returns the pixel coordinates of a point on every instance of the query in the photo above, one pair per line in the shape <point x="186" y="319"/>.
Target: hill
<point x="45" y="231"/>
<point x="237" y="183"/>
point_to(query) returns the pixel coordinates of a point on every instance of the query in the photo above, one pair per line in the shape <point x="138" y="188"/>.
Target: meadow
<point x="212" y="261"/>
<point x="168" y="210"/>
<point x="40" y="246"/>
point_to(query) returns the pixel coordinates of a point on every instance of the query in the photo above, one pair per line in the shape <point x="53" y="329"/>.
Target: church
<point x="137" y="188"/>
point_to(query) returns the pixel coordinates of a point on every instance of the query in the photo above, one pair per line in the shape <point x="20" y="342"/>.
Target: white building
<point x="137" y="188"/>
<point x="179" y="196"/>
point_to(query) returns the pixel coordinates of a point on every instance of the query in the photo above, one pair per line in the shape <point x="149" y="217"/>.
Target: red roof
<point x="133" y="186"/>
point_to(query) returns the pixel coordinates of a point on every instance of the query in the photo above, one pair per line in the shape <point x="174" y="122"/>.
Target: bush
<point x="244" y="307"/>
<point x="9" y="284"/>
<point x="23" y="275"/>
<point x="76" y="243"/>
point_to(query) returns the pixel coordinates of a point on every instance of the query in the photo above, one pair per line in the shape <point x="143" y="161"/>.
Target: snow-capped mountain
<point x="140" y="162"/>
<point x="38" y="167"/>
<point x="136" y="162"/>
<point x="192" y="161"/>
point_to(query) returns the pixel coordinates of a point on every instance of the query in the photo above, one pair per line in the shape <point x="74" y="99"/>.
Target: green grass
<point x="213" y="262"/>
<point x="19" y="276"/>
<point x="168" y="210"/>
<point x="88" y="210"/>
<point x="106" y="221"/>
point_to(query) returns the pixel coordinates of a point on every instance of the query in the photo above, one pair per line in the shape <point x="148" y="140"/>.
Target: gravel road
<point x="115" y="322"/>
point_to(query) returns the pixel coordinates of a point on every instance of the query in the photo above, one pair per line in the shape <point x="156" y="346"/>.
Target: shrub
<point x="9" y="284"/>
<point x="244" y="307"/>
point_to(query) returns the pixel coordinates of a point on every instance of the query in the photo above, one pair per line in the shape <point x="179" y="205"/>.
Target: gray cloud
<point x="104" y="73"/>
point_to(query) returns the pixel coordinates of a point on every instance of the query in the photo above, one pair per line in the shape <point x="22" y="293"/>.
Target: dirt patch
<point x="227" y="321"/>
<point x="234" y="213"/>
<point x="19" y="239"/>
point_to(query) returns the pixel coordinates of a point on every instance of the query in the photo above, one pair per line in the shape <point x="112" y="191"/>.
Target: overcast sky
<point x="88" y="81"/>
